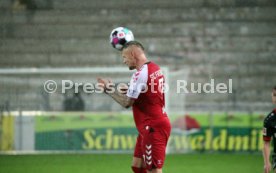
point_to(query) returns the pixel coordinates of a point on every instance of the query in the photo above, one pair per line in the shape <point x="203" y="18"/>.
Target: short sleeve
<point x="138" y="82"/>
<point x="267" y="130"/>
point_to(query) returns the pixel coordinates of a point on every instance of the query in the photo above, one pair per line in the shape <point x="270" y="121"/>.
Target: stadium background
<point x="196" y="40"/>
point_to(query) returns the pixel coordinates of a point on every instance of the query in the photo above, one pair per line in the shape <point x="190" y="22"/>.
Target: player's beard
<point x="132" y="64"/>
<point x="131" y="67"/>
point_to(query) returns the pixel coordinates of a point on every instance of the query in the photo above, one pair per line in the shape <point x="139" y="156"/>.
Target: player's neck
<point x="141" y="62"/>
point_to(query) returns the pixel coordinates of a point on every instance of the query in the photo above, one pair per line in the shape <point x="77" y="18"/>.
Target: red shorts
<point x="151" y="146"/>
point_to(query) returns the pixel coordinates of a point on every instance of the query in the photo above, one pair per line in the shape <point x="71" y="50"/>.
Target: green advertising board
<point x="105" y="132"/>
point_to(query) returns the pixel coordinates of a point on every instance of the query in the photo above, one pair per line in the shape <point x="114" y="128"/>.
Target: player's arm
<point x="119" y="97"/>
<point x="266" y="155"/>
<point x="267" y="134"/>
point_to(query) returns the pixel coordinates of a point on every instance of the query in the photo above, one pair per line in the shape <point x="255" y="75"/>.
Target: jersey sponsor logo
<point x="156" y="74"/>
<point x="264" y="131"/>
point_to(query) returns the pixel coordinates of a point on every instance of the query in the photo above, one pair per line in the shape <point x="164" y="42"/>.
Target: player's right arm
<point x="137" y="84"/>
<point x="267" y="134"/>
<point x="119" y="97"/>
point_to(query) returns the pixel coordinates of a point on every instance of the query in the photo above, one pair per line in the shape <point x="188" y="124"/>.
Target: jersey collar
<point x="147" y="62"/>
<point x="143" y="65"/>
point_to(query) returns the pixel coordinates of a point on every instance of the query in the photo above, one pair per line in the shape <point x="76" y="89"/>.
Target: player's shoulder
<point x="143" y="70"/>
<point x="141" y="74"/>
<point x="152" y="64"/>
<point x="271" y="116"/>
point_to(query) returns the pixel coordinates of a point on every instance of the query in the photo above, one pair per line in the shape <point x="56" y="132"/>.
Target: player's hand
<point x="267" y="168"/>
<point x="122" y="88"/>
<point x="103" y="83"/>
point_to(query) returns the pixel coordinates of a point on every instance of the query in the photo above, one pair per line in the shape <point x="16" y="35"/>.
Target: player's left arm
<point x="118" y="96"/>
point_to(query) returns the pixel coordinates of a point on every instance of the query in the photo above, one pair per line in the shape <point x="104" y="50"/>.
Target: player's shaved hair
<point x="134" y="43"/>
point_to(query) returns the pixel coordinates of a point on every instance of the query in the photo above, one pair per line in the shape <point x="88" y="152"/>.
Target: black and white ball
<point x="120" y="36"/>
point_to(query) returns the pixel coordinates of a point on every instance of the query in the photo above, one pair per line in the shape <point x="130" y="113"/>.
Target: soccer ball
<point x="120" y="36"/>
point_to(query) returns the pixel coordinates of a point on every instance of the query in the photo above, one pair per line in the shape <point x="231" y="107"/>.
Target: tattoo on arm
<point x="120" y="98"/>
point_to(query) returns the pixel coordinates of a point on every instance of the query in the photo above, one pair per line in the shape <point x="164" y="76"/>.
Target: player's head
<point x="133" y="43"/>
<point x="131" y="54"/>
<point x="273" y="95"/>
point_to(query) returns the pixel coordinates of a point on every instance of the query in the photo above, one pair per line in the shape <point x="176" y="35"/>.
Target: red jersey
<point x="146" y="87"/>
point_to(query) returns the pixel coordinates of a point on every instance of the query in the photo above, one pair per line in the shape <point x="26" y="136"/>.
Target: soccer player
<point x="269" y="132"/>
<point x="146" y="97"/>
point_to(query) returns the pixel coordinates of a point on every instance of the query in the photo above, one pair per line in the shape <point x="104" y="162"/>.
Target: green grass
<point x="120" y="163"/>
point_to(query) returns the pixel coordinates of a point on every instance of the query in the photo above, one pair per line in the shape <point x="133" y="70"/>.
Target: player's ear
<point x="132" y="53"/>
<point x="135" y="53"/>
